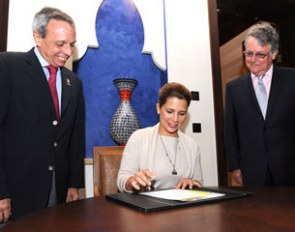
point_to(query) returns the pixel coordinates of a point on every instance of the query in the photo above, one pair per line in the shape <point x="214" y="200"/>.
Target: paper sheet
<point x="182" y="194"/>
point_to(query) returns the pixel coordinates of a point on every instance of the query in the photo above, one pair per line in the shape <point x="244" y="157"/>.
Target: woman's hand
<point x="143" y="178"/>
<point x="187" y="183"/>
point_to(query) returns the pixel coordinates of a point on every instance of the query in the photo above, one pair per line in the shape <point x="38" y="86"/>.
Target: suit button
<point x="54" y="123"/>
<point x="55" y="144"/>
<point x="50" y="168"/>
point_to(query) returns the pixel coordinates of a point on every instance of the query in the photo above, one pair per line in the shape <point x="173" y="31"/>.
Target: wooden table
<point x="269" y="209"/>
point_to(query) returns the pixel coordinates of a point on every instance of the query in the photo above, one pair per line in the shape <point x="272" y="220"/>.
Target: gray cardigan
<point x="141" y="152"/>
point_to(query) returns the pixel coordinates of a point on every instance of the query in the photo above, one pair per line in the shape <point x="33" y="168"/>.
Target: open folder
<point x="173" y="198"/>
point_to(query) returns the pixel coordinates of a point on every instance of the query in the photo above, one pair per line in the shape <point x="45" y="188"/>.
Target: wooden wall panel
<point x="4" y="6"/>
<point x="232" y="60"/>
<point x="217" y="91"/>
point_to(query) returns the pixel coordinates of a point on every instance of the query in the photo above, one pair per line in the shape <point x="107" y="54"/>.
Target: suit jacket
<point x="252" y="144"/>
<point x="30" y="139"/>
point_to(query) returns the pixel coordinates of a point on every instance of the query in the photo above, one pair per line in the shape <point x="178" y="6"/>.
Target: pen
<point x="150" y="187"/>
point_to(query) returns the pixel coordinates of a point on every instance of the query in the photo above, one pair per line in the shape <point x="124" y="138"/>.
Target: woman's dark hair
<point x="174" y="89"/>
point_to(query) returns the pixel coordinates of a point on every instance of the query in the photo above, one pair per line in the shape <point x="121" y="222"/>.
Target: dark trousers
<point x="52" y="195"/>
<point x="269" y="181"/>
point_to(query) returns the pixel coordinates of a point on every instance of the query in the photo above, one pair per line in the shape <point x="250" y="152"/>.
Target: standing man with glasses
<point x="260" y="115"/>
<point x="41" y="121"/>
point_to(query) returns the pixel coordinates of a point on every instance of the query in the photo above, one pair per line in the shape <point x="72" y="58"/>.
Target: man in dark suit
<point x="260" y="142"/>
<point x="41" y="147"/>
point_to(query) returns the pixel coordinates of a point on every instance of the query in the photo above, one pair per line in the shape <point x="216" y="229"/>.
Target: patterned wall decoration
<point x="120" y="35"/>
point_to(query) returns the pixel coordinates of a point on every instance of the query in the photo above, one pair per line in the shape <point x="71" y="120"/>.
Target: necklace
<point x="174" y="172"/>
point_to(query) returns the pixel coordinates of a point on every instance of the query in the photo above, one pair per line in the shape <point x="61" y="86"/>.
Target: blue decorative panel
<point x="120" y="36"/>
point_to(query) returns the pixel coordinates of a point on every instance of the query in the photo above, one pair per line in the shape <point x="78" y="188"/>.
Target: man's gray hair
<point x="42" y="18"/>
<point x="265" y="34"/>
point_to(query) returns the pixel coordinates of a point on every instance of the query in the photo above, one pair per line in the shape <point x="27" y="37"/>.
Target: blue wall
<point x="119" y="32"/>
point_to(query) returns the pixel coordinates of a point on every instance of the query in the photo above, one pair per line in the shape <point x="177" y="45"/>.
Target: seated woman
<point x="162" y="156"/>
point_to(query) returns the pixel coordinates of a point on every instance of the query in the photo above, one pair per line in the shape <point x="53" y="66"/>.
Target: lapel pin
<point x="69" y="82"/>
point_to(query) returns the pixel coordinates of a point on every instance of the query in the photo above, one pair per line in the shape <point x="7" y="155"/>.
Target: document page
<point x="182" y="194"/>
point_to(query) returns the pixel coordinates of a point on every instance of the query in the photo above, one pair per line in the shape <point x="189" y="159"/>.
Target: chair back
<point x="106" y="164"/>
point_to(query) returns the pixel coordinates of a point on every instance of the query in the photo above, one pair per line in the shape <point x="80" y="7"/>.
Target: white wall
<point x="189" y="62"/>
<point x="21" y="14"/>
<point x="188" y="55"/>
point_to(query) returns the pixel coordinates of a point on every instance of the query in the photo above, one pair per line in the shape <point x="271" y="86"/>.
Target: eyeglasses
<point x="259" y="55"/>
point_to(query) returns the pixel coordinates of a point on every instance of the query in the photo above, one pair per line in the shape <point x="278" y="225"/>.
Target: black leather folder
<point x="149" y="204"/>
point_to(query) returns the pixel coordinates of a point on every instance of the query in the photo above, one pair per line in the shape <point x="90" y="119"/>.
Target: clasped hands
<point x="5" y="210"/>
<point x="143" y="180"/>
